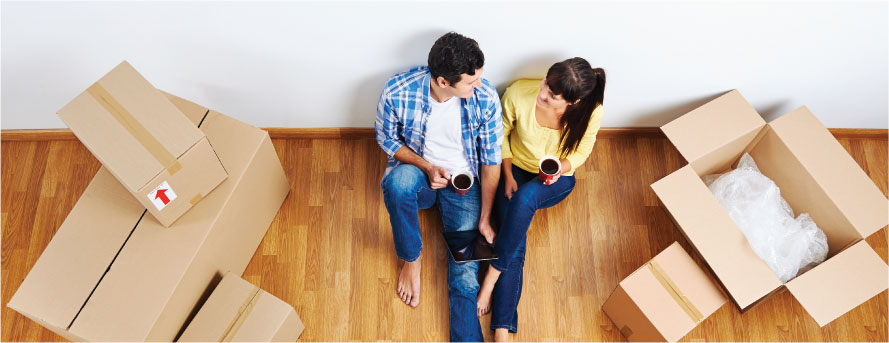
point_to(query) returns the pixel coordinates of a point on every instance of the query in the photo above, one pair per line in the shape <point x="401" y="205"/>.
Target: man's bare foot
<point x="501" y="335"/>
<point x="409" y="283"/>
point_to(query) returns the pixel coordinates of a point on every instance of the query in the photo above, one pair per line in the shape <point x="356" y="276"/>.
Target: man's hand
<point x="438" y="176"/>
<point x="510" y="186"/>
<point x="484" y="226"/>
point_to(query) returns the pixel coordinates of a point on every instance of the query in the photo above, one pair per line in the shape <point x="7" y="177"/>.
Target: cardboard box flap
<point x="834" y="170"/>
<point x="713" y="125"/>
<point x="717" y="238"/>
<point x="841" y="283"/>
<point x="692" y="283"/>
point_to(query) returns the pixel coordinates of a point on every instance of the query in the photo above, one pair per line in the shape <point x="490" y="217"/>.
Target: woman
<point x="557" y="116"/>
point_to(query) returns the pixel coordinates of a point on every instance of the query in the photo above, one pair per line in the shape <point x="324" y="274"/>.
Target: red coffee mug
<point x="462" y="182"/>
<point x="549" y="167"/>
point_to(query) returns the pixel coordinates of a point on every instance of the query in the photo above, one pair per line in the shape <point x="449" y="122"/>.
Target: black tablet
<point x="465" y="246"/>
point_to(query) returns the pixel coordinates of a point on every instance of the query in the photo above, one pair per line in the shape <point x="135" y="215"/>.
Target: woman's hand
<point x="510" y="186"/>
<point x="554" y="179"/>
<point x="566" y="167"/>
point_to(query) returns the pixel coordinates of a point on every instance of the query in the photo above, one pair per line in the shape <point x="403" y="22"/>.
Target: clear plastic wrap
<point x="788" y="245"/>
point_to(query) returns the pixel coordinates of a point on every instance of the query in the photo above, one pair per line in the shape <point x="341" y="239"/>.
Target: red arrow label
<point x="161" y="194"/>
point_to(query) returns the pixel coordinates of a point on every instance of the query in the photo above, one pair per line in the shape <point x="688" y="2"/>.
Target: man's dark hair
<point x="453" y="55"/>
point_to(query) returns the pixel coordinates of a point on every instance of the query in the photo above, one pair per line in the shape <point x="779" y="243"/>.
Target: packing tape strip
<point x="243" y="313"/>
<point x="196" y="199"/>
<point x="164" y="157"/>
<point x="674" y="291"/>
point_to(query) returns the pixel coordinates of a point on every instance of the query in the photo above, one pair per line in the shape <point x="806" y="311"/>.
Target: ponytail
<point x="576" y="80"/>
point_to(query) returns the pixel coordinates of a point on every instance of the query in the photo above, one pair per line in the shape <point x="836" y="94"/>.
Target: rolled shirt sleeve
<point x="387" y="127"/>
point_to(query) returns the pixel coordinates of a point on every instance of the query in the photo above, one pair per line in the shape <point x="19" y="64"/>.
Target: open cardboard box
<point x="113" y="273"/>
<point x="815" y="175"/>
<point x="238" y="311"/>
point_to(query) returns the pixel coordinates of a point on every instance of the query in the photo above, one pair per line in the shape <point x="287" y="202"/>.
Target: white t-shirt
<point x="444" y="136"/>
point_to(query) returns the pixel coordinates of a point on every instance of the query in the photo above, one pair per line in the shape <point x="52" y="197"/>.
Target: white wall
<point x="313" y="64"/>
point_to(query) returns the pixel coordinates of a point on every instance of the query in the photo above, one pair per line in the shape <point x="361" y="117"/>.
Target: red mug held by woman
<point x="549" y="167"/>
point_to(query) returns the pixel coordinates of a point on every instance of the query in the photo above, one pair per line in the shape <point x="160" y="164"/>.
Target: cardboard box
<point x="815" y="175"/>
<point x="146" y="142"/>
<point x="664" y="299"/>
<point x="238" y="311"/>
<point x="112" y="273"/>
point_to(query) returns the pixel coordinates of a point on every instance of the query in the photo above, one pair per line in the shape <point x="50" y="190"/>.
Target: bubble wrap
<point x="789" y="246"/>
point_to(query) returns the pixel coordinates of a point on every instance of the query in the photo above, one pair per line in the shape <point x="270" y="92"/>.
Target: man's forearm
<point x="490" y="176"/>
<point x="406" y="155"/>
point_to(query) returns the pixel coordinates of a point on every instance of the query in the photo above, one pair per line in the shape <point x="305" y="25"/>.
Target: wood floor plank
<point x="329" y="251"/>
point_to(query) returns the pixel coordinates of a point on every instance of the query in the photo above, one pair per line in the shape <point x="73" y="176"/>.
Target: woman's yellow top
<point x="526" y="141"/>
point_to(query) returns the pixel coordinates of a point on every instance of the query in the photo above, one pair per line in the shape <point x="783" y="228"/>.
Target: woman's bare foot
<point x="484" y="301"/>
<point x="409" y="283"/>
<point x="501" y="335"/>
<point x="484" y="294"/>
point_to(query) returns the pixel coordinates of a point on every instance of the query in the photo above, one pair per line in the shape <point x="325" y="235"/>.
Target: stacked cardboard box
<point x="664" y="299"/>
<point x="238" y="311"/>
<point x="145" y="142"/>
<point x="815" y="175"/>
<point x="113" y="272"/>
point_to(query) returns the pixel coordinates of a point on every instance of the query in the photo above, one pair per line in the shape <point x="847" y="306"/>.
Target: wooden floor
<point x="330" y="253"/>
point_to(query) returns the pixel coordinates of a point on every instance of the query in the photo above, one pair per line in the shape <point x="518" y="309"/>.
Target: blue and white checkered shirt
<point x="404" y="110"/>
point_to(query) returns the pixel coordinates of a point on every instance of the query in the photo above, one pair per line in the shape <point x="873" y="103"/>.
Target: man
<point x="432" y="122"/>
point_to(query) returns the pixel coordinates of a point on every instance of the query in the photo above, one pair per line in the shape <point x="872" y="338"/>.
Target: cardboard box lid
<point x="746" y="277"/>
<point x="836" y="172"/>
<point x="713" y="125"/>
<point x="238" y="311"/>
<point x="841" y="283"/>
<point x="130" y="126"/>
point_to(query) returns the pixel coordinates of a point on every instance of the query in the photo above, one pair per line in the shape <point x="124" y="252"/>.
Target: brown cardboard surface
<point x="694" y="284"/>
<point x="664" y="299"/>
<point x="802" y="192"/>
<point x="815" y="176"/>
<point x="144" y="139"/>
<point x="220" y="233"/>
<point x="841" y="283"/>
<point x="240" y="312"/>
<point x="720" y="242"/>
<point x="78" y="258"/>
<point x="859" y="199"/>
<point x="194" y="112"/>
<point x="159" y="274"/>
<point x="201" y="172"/>
<point x="658" y="305"/>
<point x="629" y="318"/>
<point x="111" y="142"/>
<point x="712" y="125"/>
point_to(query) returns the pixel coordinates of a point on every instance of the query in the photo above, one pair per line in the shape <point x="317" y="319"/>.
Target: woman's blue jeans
<point x="513" y="217"/>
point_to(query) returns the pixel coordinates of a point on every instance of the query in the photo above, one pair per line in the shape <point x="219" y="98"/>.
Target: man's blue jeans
<point x="513" y="217"/>
<point x="406" y="190"/>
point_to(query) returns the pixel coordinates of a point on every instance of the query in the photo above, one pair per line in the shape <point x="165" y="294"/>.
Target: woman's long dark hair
<point x="574" y="79"/>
